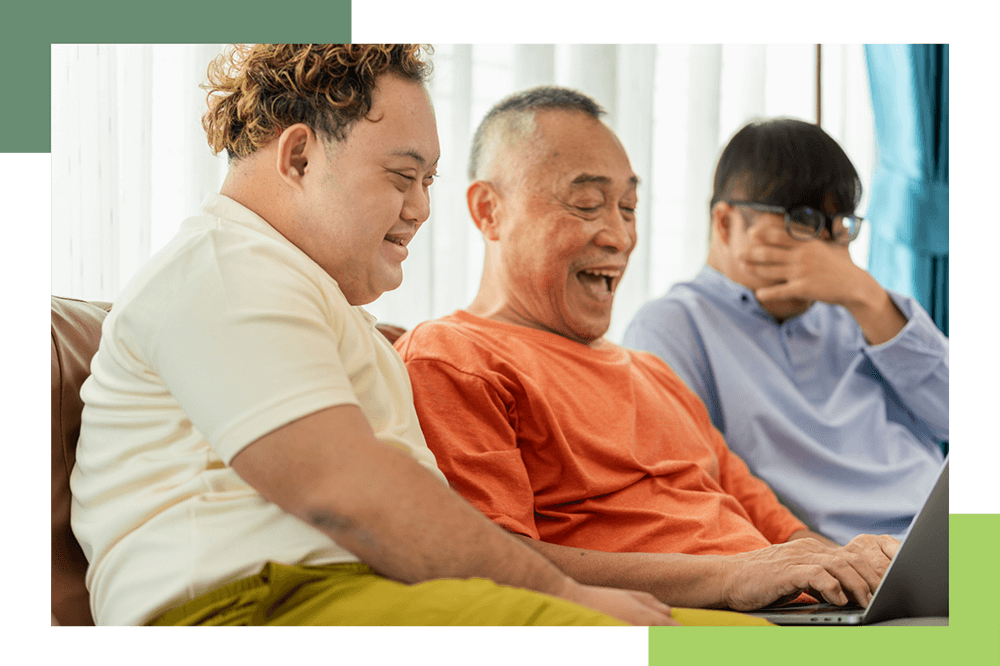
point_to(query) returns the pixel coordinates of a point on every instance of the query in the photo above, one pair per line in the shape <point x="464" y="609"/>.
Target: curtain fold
<point x="908" y="204"/>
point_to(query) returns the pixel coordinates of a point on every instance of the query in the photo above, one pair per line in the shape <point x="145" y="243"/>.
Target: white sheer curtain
<point x="130" y="161"/>
<point x="674" y="108"/>
<point x="129" y="158"/>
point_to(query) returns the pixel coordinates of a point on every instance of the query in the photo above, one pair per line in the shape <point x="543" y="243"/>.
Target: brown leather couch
<point x="76" y="333"/>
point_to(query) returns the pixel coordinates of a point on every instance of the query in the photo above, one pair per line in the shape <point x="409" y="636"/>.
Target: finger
<point x="780" y="292"/>
<point x="877" y="550"/>
<point x="853" y="566"/>
<point x="820" y="583"/>
<point x="877" y="559"/>
<point x="854" y="578"/>
<point x="649" y="600"/>
<point x="772" y="234"/>
<point x="765" y="294"/>
<point x="890" y="545"/>
<point x="820" y="595"/>
<point x="657" y="613"/>
<point x="766" y="255"/>
<point x="863" y="557"/>
<point x="636" y="608"/>
<point x="648" y="617"/>
<point x="774" y="273"/>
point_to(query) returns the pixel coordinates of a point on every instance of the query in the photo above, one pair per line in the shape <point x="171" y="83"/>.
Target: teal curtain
<point x="908" y="202"/>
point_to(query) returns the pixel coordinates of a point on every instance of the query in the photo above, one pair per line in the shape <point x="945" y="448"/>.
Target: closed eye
<point x="403" y="180"/>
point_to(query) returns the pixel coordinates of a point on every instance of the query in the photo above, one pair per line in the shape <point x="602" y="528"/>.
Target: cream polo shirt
<point x="225" y="335"/>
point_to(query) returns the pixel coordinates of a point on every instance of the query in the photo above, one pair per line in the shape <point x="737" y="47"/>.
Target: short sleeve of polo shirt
<point x="245" y="333"/>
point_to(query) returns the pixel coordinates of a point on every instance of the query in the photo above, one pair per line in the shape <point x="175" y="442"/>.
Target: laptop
<point x="914" y="585"/>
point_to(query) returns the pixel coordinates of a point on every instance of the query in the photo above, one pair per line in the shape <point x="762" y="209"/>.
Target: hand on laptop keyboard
<point x="878" y="551"/>
<point x="838" y="574"/>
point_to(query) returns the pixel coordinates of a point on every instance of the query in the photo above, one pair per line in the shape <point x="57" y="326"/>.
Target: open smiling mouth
<point x="600" y="282"/>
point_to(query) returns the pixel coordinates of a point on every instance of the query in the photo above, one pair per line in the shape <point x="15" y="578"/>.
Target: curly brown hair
<point x="257" y="90"/>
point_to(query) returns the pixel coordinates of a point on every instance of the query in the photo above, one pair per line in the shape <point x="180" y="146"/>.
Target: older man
<point x="249" y="451"/>
<point x="598" y="457"/>
<point x="833" y="390"/>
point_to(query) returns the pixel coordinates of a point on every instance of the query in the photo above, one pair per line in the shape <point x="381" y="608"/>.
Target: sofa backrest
<point x="76" y="333"/>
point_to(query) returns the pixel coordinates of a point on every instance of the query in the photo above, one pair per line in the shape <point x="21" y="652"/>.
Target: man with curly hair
<point x="249" y="452"/>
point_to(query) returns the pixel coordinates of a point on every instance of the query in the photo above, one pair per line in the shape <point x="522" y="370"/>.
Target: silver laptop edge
<point x="914" y="585"/>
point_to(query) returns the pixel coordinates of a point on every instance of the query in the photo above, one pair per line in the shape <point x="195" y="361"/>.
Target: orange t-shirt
<point x="600" y="448"/>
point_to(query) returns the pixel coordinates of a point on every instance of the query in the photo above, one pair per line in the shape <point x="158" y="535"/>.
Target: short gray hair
<point x="513" y="119"/>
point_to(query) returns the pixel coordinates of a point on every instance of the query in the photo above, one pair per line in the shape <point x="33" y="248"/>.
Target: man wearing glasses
<point x="832" y="389"/>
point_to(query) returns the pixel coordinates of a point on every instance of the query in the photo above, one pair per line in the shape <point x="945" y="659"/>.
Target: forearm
<point x="876" y="313"/>
<point x="694" y="581"/>
<point x="414" y="528"/>
<point x="809" y="534"/>
<point x="380" y="504"/>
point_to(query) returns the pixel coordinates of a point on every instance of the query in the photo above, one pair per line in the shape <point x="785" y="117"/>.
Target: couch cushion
<point x="76" y="333"/>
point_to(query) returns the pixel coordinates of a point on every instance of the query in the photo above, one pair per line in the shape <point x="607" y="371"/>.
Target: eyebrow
<point x="585" y="178"/>
<point x="416" y="156"/>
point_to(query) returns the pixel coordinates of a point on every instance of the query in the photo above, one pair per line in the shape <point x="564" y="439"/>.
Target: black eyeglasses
<point x="805" y="223"/>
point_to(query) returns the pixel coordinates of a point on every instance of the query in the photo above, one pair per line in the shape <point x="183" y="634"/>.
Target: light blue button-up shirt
<point x="846" y="432"/>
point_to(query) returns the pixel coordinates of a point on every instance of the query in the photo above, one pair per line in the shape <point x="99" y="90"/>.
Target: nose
<point x="827" y="233"/>
<point x="617" y="232"/>
<point x="417" y="204"/>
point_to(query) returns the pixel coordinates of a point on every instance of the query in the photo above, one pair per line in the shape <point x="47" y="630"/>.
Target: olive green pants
<point x="353" y="594"/>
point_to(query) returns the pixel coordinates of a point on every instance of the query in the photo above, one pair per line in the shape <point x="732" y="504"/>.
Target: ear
<point x="484" y="203"/>
<point x="296" y="147"/>
<point x="723" y="217"/>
